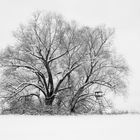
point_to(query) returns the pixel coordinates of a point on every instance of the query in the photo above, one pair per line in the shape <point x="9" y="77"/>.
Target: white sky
<point x="123" y="15"/>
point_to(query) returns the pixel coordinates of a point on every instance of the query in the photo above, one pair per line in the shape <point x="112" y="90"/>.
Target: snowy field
<point x="95" y="127"/>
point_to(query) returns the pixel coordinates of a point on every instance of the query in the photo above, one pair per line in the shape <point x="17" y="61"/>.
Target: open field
<point x="95" y="127"/>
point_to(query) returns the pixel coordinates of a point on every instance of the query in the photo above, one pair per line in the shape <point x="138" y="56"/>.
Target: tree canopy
<point x="55" y="63"/>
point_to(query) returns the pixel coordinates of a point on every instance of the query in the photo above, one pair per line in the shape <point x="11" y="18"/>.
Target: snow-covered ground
<point x="95" y="127"/>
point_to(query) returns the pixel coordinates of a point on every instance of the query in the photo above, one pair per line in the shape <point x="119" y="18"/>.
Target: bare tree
<point x="56" y="60"/>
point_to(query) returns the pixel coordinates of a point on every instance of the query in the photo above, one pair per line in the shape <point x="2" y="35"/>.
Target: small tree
<point x="56" y="61"/>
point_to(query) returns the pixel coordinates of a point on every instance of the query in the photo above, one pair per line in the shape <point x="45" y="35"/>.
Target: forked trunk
<point x="49" y="101"/>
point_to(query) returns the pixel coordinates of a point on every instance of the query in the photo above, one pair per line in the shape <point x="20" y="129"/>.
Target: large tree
<point x="56" y="60"/>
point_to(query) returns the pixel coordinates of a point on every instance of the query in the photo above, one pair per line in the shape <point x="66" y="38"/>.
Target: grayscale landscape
<point x="69" y="69"/>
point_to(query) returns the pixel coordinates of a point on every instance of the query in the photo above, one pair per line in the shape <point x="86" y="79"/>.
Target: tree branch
<point x="59" y="83"/>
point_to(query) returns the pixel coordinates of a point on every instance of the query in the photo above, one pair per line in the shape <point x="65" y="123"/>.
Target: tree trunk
<point x="75" y="99"/>
<point x="49" y="101"/>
